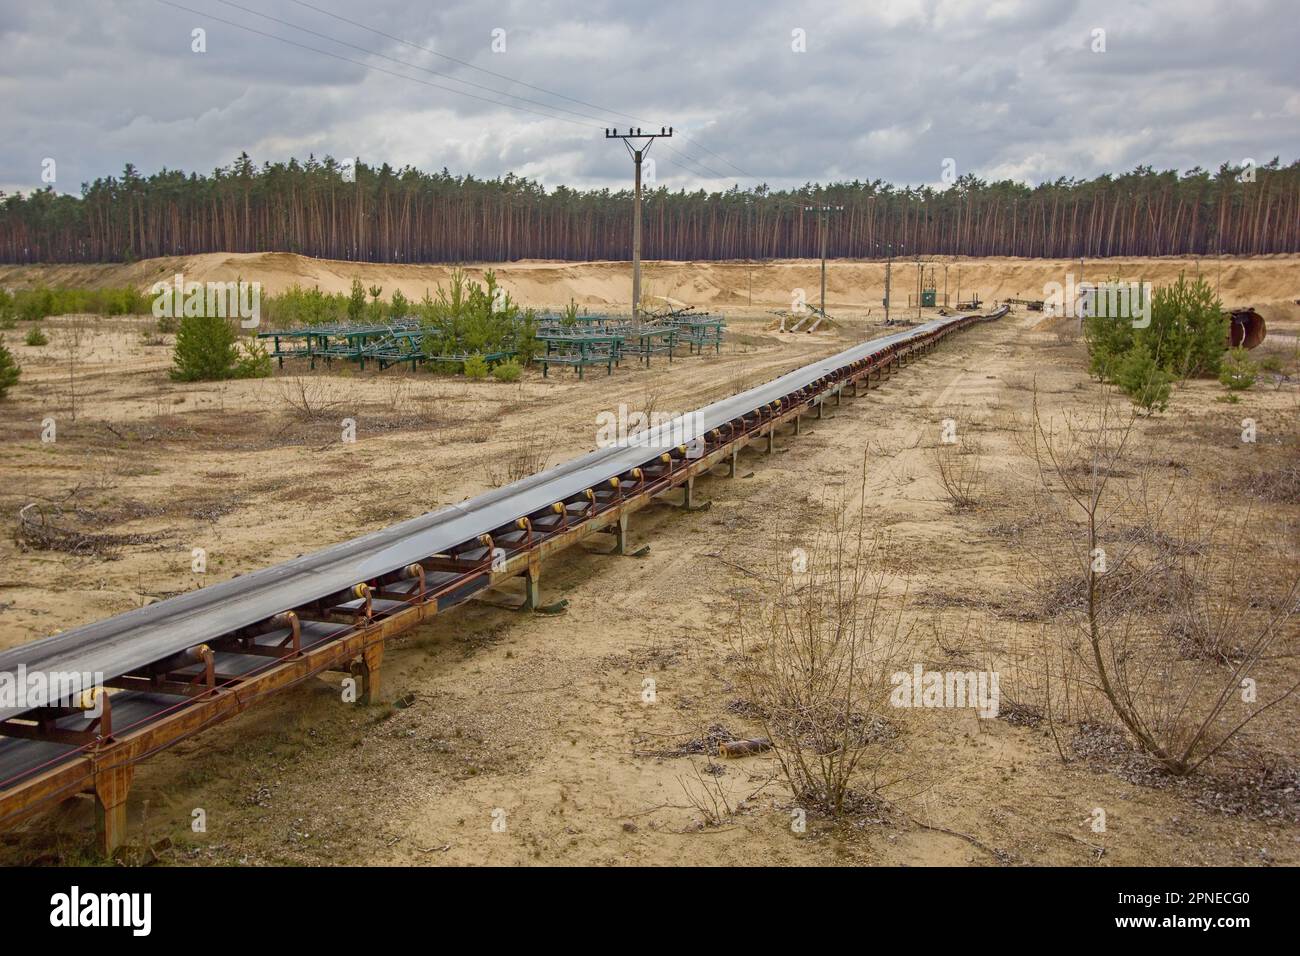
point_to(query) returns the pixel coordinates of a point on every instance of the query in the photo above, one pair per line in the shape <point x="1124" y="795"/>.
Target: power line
<point x="367" y="66"/>
<point x="708" y="171"/>
<point x="696" y="142"/>
<point x="466" y="63"/>
<point x="539" y="89"/>
<point x="414" y="66"/>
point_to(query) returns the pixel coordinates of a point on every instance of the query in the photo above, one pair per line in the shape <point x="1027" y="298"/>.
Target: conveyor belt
<point x="129" y="641"/>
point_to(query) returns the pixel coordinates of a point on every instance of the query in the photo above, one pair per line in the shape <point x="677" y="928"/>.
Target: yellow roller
<point x="86" y="699"/>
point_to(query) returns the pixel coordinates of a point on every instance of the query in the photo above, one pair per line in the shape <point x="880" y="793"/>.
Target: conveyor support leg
<point x="367" y="669"/>
<point x="620" y="535"/>
<point x="111" y="788"/>
<point x="532" y="587"/>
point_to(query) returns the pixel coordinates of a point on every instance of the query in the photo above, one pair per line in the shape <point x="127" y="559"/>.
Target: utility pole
<point x="822" y="212"/>
<point x="638" y="153"/>
<point x="1218" y="264"/>
<point x="889" y="263"/>
<point x="920" y="275"/>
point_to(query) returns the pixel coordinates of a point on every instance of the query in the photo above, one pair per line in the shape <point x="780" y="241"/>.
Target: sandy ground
<point x="538" y="721"/>
<point x="852" y="285"/>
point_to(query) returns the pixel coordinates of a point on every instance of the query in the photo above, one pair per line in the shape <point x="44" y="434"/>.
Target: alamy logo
<point x="75" y="908"/>
<point x="961" y="689"/>
<point x="659" y="430"/>
<point x="1107" y="300"/>
<point x="26" y="690"/>
<point x="180" y="299"/>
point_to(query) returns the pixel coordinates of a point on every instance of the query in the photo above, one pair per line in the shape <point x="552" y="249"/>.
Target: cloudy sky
<point x="782" y="93"/>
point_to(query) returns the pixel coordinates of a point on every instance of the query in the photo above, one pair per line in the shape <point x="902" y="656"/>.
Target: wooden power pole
<point x="822" y="212"/>
<point x="638" y="153"/>
<point x="889" y="264"/>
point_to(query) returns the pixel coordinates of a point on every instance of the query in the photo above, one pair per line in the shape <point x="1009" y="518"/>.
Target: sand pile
<point x="851" y="285"/>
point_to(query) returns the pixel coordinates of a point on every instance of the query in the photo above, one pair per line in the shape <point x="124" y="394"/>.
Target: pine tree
<point x="357" y="302"/>
<point x="205" y="350"/>
<point x="9" y="369"/>
<point x="1188" y="329"/>
<point x="405" y="215"/>
<point x="1143" y="380"/>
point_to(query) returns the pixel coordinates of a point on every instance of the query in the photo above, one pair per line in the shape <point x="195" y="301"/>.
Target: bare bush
<point x="525" y="458"/>
<point x="650" y="403"/>
<point x="1159" y="606"/>
<point x="397" y="394"/>
<point x="44" y="528"/>
<point x="75" y="332"/>
<point x="820" y="651"/>
<point x="308" y="398"/>
<point x="706" y="793"/>
<point x="961" y="472"/>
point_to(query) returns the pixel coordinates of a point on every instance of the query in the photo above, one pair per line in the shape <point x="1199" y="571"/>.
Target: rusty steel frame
<point x="388" y="604"/>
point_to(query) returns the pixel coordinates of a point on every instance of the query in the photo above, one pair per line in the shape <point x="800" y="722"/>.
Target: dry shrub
<point x="707" y="795"/>
<point x="1163" y="606"/>
<point x="961" y="472"/>
<point x="308" y="398"/>
<point x="1280" y="485"/>
<point x="397" y="394"/>
<point x="76" y="334"/>
<point x="526" y="458"/>
<point x="42" y="528"/>
<point x="820" y="649"/>
<point x="481" y="432"/>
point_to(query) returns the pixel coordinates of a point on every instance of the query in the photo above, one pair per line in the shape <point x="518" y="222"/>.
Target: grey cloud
<point x="886" y="90"/>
